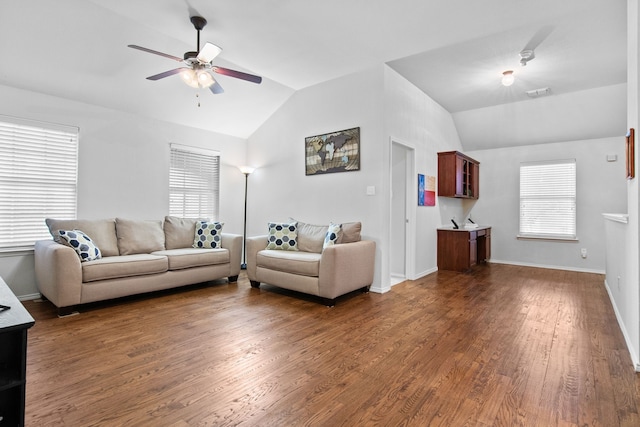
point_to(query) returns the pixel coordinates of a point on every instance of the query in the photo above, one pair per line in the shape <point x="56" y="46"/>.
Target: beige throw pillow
<point x="139" y="236"/>
<point x="102" y="232"/>
<point x="179" y="232"/>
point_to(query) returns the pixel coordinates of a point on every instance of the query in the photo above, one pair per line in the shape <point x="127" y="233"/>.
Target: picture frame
<point x="426" y="190"/>
<point x="333" y="152"/>
<point x="630" y="154"/>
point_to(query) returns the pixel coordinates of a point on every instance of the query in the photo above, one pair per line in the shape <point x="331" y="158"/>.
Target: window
<point x="548" y="199"/>
<point x="38" y="177"/>
<point x="194" y="181"/>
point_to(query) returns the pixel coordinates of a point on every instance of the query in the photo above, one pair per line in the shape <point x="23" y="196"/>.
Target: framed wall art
<point x="332" y="152"/>
<point x="426" y="190"/>
<point x="631" y="170"/>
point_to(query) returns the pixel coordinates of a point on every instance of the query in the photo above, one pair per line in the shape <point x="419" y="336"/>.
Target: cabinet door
<point x="460" y="176"/>
<point x="473" y="249"/>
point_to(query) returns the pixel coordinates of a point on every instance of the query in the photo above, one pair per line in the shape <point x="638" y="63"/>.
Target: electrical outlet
<point x="583" y="252"/>
<point x="618" y="283"/>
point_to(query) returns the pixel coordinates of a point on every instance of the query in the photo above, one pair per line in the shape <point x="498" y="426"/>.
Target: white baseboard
<point x="632" y="353"/>
<point x="29" y="297"/>
<point x="550" y="267"/>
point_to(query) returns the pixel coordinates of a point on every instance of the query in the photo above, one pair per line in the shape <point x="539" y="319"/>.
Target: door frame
<point x="411" y="186"/>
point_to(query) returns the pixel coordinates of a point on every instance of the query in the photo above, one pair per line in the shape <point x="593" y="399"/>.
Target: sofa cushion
<point x="81" y="243"/>
<point x="350" y="232"/>
<point x="194" y="257"/>
<point x="101" y="231"/>
<point x="123" y="266"/>
<point x="138" y="236"/>
<point x="207" y="235"/>
<point x="302" y="263"/>
<point x="310" y="237"/>
<point x="178" y="232"/>
<point x="333" y="234"/>
<point x="283" y="236"/>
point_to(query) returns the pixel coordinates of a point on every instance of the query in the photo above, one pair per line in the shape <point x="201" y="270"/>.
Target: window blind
<point x="194" y="181"/>
<point x="548" y="199"/>
<point x="38" y="178"/>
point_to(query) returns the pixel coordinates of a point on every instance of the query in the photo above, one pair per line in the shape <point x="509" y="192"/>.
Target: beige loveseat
<point x="136" y="257"/>
<point x="327" y="272"/>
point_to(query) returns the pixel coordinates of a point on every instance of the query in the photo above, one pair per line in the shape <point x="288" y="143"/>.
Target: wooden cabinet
<point x="458" y="175"/>
<point x="461" y="249"/>
<point x="14" y="323"/>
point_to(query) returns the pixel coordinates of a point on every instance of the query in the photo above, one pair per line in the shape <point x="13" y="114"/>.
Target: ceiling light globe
<point x="189" y="77"/>
<point x="205" y="79"/>
<point x="507" y="78"/>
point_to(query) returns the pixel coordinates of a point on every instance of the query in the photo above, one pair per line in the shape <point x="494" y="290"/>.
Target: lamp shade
<point x="247" y="170"/>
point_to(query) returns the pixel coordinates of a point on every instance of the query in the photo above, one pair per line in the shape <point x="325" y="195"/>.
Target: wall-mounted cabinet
<point x="458" y="175"/>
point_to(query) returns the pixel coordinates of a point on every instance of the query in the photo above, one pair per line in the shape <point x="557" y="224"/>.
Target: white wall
<point x="600" y="189"/>
<point x="632" y="292"/>
<point x="416" y="120"/>
<point x="123" y="166"/>
<point x="623" y="275"/>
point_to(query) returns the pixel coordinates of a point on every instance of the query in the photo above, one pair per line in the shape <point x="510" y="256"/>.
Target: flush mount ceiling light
<point x="507" y="78"/>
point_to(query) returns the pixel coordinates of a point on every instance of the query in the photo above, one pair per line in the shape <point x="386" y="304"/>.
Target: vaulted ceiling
<point x="453" y="50"/>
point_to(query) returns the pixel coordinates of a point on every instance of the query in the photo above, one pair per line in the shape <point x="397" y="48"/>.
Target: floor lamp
<point x="246" y="170"/>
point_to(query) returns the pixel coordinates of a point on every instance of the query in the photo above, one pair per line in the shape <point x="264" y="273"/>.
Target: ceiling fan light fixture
<point x="189" y="77"/>
<point x="507" y="78"/>
<point x="205" y="79"/>
<point x="197" y="78"/>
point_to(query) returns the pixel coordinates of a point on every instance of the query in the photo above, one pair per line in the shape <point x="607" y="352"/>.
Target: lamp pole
<point x="246" y="170"/>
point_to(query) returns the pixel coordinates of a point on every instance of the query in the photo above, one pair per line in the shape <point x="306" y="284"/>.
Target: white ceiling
<point x="454" y="50"/>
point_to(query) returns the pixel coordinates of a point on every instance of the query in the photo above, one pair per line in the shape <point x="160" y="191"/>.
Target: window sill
<point x="543" y="237"/>
<point x="9" y="252"/>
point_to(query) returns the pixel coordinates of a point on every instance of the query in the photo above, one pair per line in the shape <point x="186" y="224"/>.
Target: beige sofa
<point x="326" y="272"/>
<point x="137" y="257"/>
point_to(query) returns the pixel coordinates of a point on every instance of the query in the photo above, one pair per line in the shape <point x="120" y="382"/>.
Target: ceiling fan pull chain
<point x="198" y="98"/>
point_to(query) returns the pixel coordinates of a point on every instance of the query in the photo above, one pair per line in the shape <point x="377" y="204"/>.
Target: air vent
<point x="537" y="93"/>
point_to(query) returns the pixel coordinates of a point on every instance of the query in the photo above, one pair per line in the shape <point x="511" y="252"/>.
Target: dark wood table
<point x="14" y="323"/>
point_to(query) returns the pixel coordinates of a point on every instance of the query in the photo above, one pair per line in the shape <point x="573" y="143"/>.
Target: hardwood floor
<point x="504" y="346"/>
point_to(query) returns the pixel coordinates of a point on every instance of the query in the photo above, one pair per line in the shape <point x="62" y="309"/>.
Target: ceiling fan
<point x="198" y="67"/>
<point x="528" y="53"/>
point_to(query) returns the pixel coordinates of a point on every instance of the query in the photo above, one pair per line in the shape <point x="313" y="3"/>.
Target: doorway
<point x="402" y="228"/>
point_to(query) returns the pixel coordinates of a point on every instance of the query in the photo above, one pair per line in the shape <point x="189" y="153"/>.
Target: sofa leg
<point x="233" y="279"/>
<point x="67" y="311"/>
<point x="329" y="302"/>
<point x="364" y="289"/>
<point x="255" y="283"/>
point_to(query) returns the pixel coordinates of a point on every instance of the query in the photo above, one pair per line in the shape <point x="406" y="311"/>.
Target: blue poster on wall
<point x="420" y="190"/>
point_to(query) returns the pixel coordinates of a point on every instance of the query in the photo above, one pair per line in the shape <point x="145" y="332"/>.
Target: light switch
<point x="371" y="190"/>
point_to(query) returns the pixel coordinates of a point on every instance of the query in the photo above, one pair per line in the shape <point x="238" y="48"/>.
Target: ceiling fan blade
<point x="539" y="37"/>
<point x="166" y="74"/>
<point x="237" y="74"/>
<point x="208" y="52"/>
<point x="216" y="88"/>
<point x="155" y="52"/>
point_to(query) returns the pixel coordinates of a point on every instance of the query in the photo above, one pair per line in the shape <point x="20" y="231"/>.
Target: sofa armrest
<point x="58" y="273"/>
<point x="346" y="267"/>
<point x="233" y="242"/>
<point x="254" y="245"/>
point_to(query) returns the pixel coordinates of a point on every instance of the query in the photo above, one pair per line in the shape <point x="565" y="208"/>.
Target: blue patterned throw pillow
<point x="333" y="234"/>
<point x="283" y="236"/>
<point x="208" y="235"/>
<point x="81" y="243"/>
